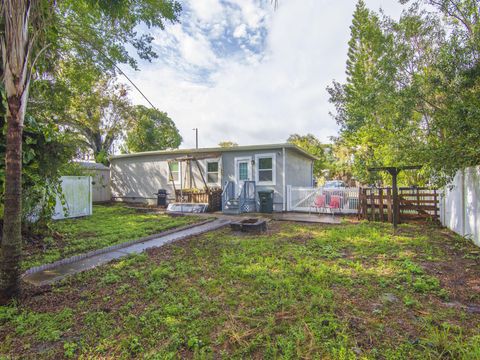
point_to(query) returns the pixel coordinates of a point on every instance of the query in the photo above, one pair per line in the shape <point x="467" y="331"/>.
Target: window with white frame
<point x="212" y="172"/>
<point x="174" y="171"/>
<point x="265" y="173"/>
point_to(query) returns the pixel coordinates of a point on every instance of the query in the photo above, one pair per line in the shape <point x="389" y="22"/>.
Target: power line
<point x="130" y="80"/>
<point x="116" y="66"/>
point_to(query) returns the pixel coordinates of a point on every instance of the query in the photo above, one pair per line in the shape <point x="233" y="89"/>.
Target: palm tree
<point x="16" y="42"/>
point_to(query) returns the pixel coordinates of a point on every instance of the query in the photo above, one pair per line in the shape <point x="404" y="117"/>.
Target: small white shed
<point x="100" y="180"/>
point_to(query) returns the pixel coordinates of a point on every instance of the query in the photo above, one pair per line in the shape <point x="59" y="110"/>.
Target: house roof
<point x="92" y="165"/>
<point x="218" y="150"/>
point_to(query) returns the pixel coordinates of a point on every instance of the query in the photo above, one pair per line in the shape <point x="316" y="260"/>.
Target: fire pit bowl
<point x="252" y="225"/>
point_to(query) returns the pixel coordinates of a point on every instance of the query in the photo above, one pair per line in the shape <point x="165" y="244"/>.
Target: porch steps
<point x="244" y="202"/>
<point x="232" y="206"/>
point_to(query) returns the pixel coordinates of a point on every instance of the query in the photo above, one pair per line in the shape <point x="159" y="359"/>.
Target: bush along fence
<point x="376" y="204"/>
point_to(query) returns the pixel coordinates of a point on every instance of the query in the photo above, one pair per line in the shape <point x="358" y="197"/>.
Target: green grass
<point x="300" y="291"/>
<point x="109" y="225"/>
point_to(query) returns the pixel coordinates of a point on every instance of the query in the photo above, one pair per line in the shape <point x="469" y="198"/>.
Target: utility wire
<point x="116" y="67"/>
<point x="130" y="80"/>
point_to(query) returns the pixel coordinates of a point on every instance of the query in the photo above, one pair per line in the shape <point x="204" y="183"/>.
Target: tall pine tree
<point x="375" y="110"/>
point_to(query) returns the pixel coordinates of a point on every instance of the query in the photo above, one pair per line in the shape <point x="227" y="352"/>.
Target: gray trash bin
<point x="266" y="201"/>
<point x="161" y="198"/>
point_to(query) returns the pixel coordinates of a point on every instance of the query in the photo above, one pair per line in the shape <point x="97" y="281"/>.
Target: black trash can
<point x="161" y="197"/>
<point x="266" y="201"/>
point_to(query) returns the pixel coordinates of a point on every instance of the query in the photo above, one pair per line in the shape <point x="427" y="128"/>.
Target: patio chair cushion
<point x="319" y="201"/>
<point x="335" y="202"/>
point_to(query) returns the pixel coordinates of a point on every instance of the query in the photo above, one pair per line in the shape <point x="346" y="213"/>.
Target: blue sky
<point x="240" y="71"/>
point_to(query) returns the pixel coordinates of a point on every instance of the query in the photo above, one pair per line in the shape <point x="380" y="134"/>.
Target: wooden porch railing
<point x="212" y="197"/>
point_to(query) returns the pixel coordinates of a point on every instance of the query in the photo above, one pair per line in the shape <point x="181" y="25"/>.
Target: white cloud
<point x="252" y="95"/>
<point x="196" y="49"/>
<point x="206" y="10"/>
<point x="240" y="31"/>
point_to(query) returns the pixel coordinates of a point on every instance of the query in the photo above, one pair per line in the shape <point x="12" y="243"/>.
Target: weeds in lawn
<point x="345" y="292"/>
<point x="109" y="225"/>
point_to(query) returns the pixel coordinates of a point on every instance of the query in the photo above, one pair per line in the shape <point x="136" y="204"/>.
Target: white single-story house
<point x="137" y="177"/>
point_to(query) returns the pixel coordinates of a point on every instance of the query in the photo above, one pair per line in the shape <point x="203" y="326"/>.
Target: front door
<point x="243" y="172"/>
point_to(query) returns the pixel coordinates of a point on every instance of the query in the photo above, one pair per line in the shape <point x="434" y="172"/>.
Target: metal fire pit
<point x="252" y="225"/>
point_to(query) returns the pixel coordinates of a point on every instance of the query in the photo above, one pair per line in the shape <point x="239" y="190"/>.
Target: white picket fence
<point x="301" y="199"/>
<point x="76" y="199"/>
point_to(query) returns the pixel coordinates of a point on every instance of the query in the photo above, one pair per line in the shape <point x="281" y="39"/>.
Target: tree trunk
<point x="12" y="235"/>
<point x="16" y="46"/>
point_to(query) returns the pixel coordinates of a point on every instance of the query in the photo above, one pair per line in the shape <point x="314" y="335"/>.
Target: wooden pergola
<point x="189" y="176"/>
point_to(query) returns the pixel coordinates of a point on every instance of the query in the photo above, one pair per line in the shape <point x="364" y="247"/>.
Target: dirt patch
<point x="459" y="275"/>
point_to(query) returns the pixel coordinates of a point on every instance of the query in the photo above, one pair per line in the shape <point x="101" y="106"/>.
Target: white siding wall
<point x="136" y="179"/>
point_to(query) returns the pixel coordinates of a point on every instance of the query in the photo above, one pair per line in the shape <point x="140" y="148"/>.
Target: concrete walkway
<point x="60" y="271"/>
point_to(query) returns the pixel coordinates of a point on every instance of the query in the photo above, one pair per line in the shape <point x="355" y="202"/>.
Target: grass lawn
<point x="109" y="225"/>
<point x="300" y="291"/>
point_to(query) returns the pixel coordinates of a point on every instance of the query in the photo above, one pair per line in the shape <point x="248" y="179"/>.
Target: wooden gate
<point x="376" y="204"/>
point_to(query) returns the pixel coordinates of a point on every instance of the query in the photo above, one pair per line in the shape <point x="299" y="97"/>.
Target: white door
<point x="243" y="172"/>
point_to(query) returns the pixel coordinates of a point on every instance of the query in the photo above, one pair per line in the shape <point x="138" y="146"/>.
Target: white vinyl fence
<point x="76" y="199"/>
<point x="302" y="199"/>
<point x="460" y="204"/>
<point x="101" y="185"/>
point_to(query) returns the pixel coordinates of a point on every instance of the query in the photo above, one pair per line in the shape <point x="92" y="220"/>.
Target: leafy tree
<point x="312" y="145"/>
<point x="412" y="90"/>
<point x="30" y="30"/>
<point x="338" y="162"/>
<point x="359" y="100"/>
<point x="451" y="90"/>
<point x="46" y="150"/>
<point x="381" y="108"/>
<point x="151" y="130"/>
<point x="227" y="144"/>
<point x="99" y="116"/>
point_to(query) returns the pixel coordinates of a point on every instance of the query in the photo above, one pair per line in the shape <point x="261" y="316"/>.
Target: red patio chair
<point x="318" y="203"/>
<point x="335" y="202"/>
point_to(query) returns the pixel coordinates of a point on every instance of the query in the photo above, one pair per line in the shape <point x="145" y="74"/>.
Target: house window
<point x="265" y="169"/>
<point x="242" y="171"/>
<point x="212" y="172"/>
<point x="174" y="171"/>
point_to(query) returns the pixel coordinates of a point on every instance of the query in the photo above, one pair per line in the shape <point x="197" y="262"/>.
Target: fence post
<point x="372" y="206"/>
<point x="418" y="201"/>
<point x="359" y="205"/>
<point x="380" y="203"/>
<point x="289" y="197"/>
<point x="90" y="194"/>
<point x="365" y="204"/>
<point x="389" y="204"/>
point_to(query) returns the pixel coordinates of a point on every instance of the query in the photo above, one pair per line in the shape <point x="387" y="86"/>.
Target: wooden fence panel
<point x="414" y="203"/>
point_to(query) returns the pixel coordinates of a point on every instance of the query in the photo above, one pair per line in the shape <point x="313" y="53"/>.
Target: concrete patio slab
<point x="308" y="218"/>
